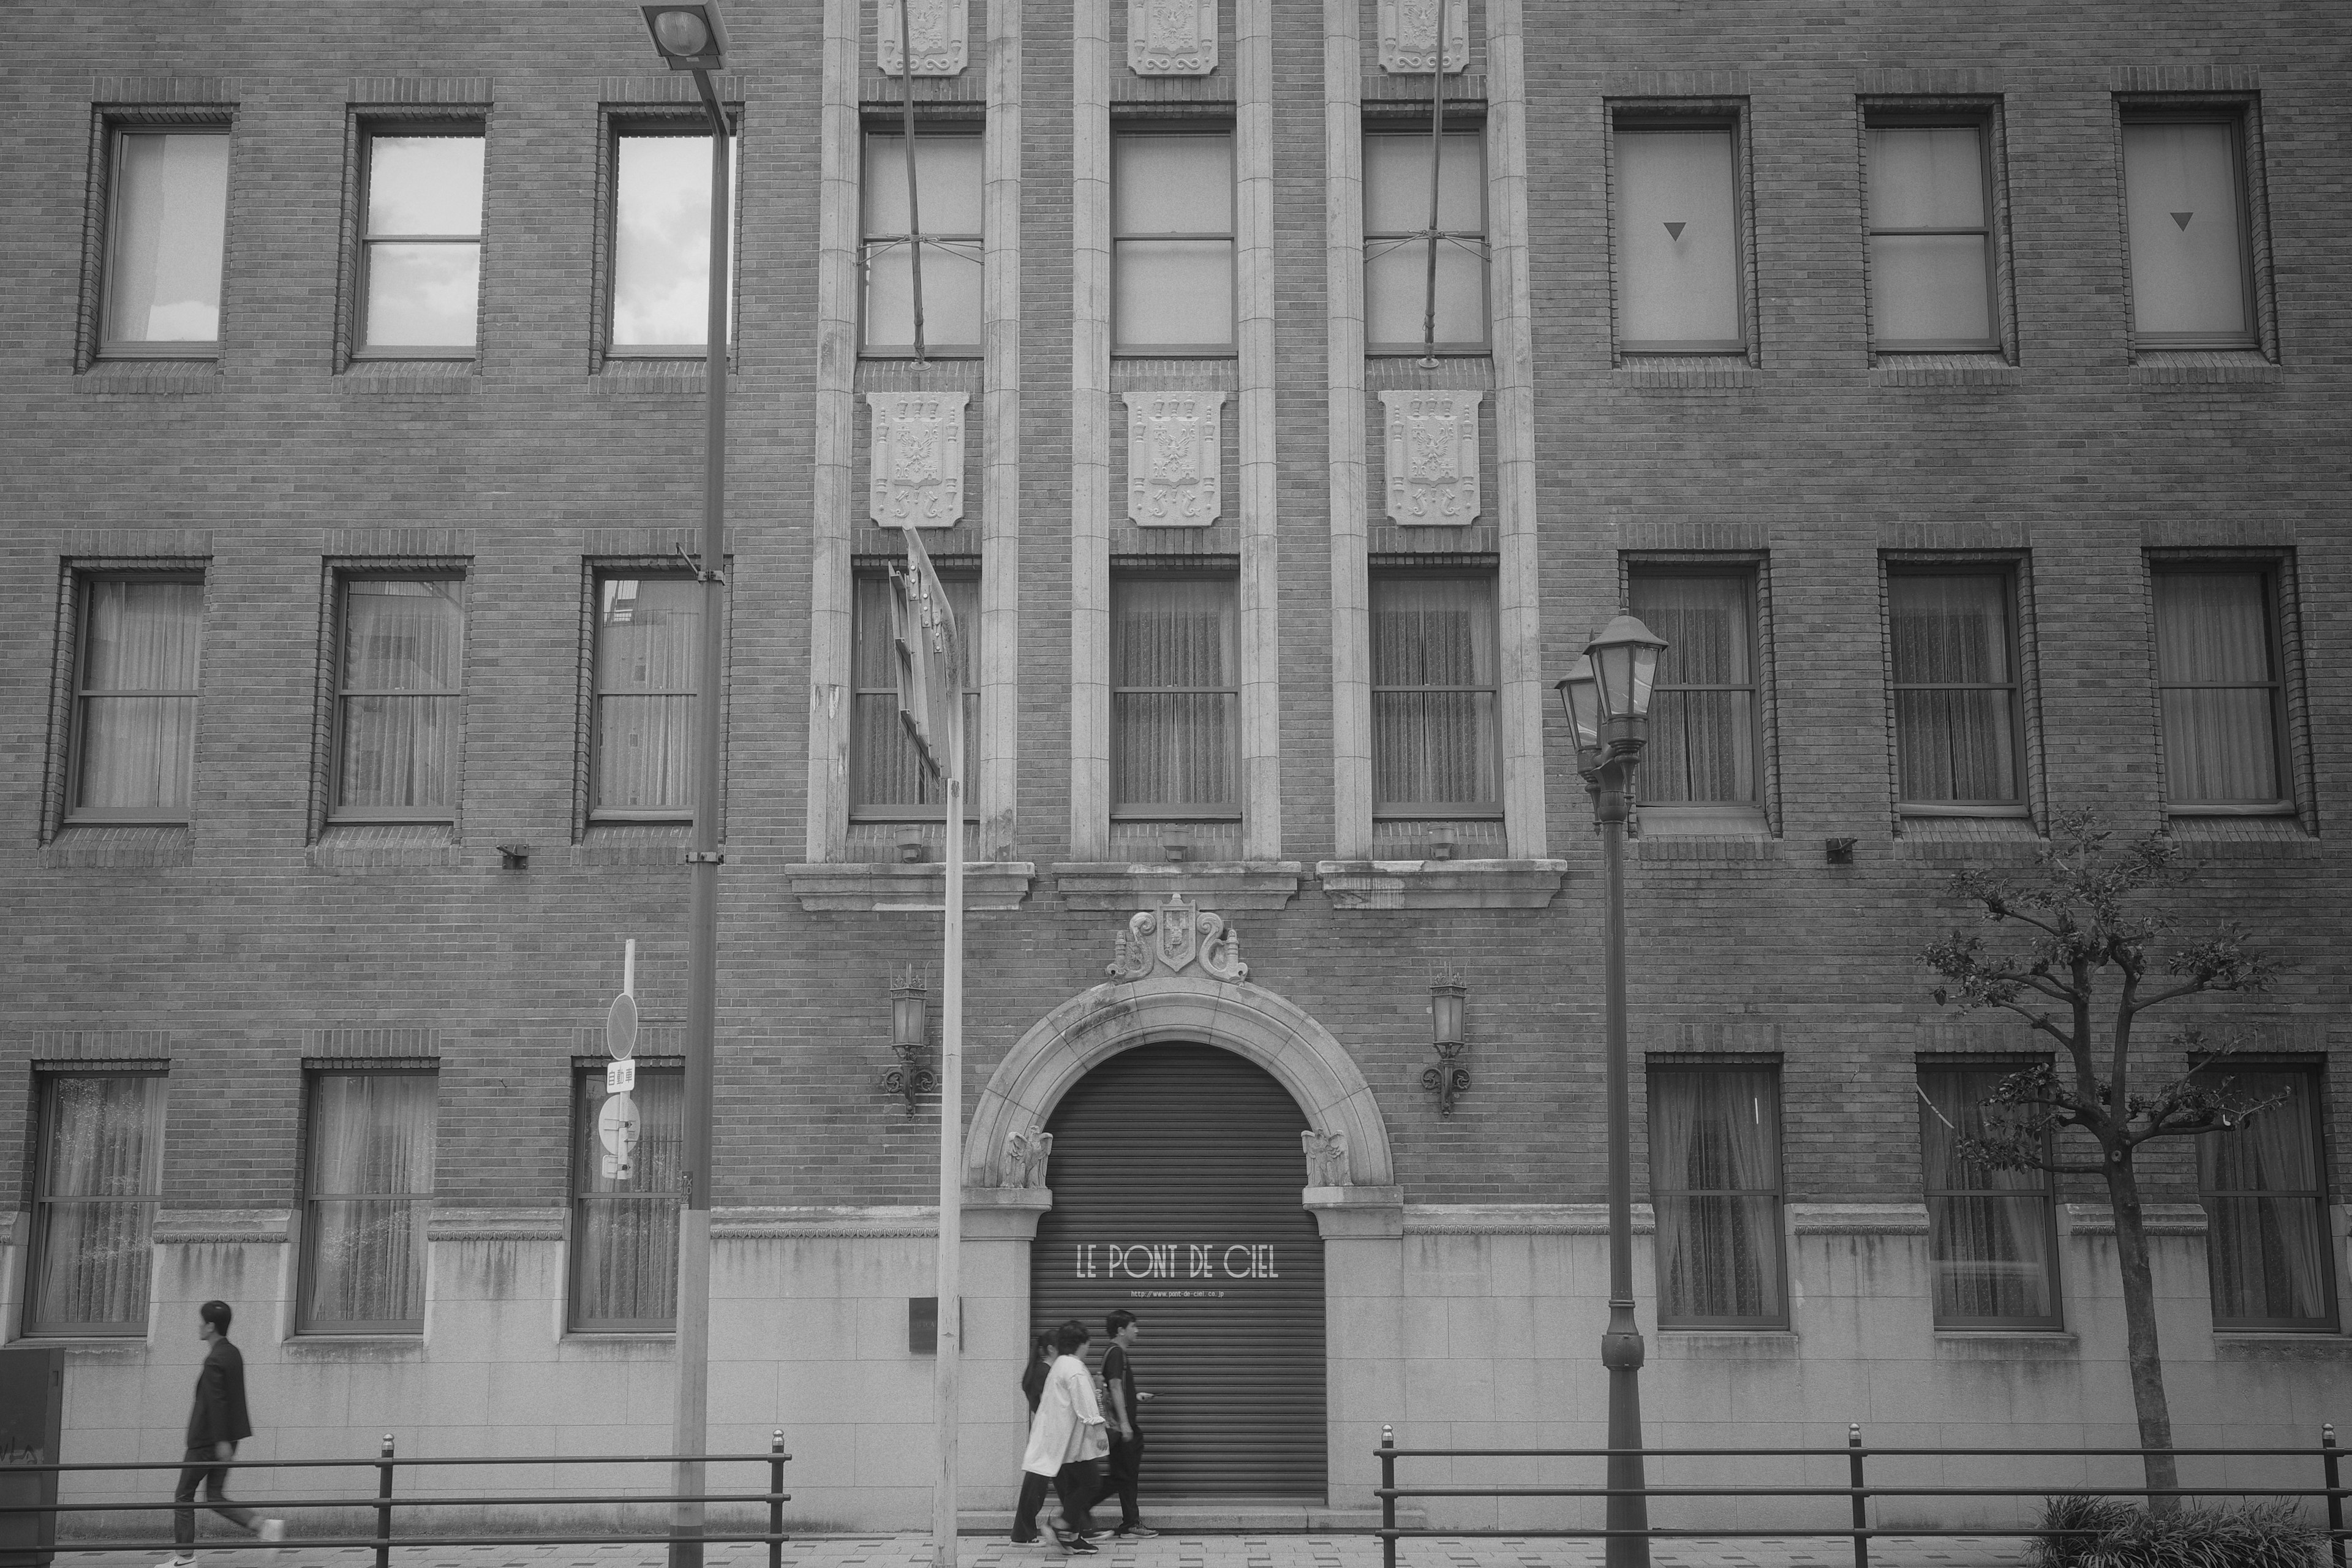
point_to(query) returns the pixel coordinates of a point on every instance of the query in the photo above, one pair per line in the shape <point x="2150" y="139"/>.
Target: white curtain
<point x="101" y="1176"/>
<point x="1715" y="1178"/>
<point x="1703" y="707"/>
<point x="948" y="197"/>
<point x="884" y="770"/>
<point x="1989" y="1229"/>
<point x="648" y="658"/>
<point x="624" y="1230"/>
<point x="1678" y="282"/>
<point x="370" y="1185"/>
<point x="403" y="640"/>
<point x="2187" y="240"/>
<point x="1928" y="289"/>
<point x="2266" y="1208"/>
<point x="139" y="695"/>
<point x="2214" y="670"/>
<point x="1433" y="655"/>
<point x="1396" y="270"/>
<point x="1174" y="703"/>
<point x="170" y="215"/>
<point x="1955" y="734"/>
<point x="1172" y="248"/>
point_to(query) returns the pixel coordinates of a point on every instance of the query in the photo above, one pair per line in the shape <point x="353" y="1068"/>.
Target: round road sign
<point x="621" y="1027"/>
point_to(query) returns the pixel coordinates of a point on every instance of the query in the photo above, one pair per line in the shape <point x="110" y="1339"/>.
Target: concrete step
<point x="1208" y="1516"/>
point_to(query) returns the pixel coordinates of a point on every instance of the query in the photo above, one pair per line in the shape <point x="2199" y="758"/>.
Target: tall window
<point x="421" y="254"/>
<point x="2185" y="211"/>
<point x="1434" y="747"/>
<point x="2217" y="673"/>
<point x="1678" y="241"/>
<point x="1703" y="731"/>
<point x="368" y="1187"/>
<point x="2266" y="1208"/>
<point x="165" y="239"/>
<point x="661" y="241"/>
<point x="101" y="1173"/>
<point x="1957" y="714"/>
<point x="1397" y="239"/>
<point x="1715" y="1181"/>
<point x="649" y="653"/>
<point x="1991" y="1235"/>
<point x="625" y="1227"/>
<point x="1173" y="242"/>
<point x="948" y="205"/>
<point x="1175" y="697"/>
<point x="1931" y="273"/>
<point x="400" y="700"/>
<point x="886" y="781"/>
<point x="135" y="700"/>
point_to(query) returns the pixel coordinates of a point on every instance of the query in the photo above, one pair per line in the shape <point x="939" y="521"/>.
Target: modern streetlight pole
<point x="689" y="38"/>
<point x="1607" y="695"/>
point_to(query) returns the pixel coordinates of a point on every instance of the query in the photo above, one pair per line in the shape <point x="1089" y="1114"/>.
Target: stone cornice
<point x="540" y="1224"/>
<point x="1440" y="884"/>
<point x="869" y="887"/>
<point x="191" y="1228"/>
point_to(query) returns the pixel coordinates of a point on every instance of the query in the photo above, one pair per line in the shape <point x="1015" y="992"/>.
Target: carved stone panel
<point x="1409" y="34"/>
<point x="936" y="34"/>
<point x="1172" y="37"/>
<point x="915" y="473"/>
<point x="1175" y="938"/>
<point x="1431" y="441"/>
<point x="1172" y="447"/>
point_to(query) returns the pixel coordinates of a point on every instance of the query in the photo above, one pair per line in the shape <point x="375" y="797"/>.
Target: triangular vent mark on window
<point x="2182" y="218"/>
<point x="1674" y="230"/>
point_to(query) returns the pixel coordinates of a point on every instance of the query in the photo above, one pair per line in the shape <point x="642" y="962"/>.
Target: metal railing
<point x="1858" y="1490"/>
<point x="388" y="1501"/>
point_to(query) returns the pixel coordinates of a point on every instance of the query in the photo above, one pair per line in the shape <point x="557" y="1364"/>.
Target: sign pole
<point x="950" y="1313"/>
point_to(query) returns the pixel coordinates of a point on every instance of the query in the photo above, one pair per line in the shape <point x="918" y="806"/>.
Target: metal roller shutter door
<point x="1185" y="1160"/>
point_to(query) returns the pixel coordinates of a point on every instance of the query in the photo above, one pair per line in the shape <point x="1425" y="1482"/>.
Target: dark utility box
<point x="32" y="1417"/>
<point x="923" y="1324"/>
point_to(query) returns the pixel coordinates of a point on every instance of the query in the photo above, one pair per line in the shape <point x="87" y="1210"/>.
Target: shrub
<point x="2230" y="1535"/>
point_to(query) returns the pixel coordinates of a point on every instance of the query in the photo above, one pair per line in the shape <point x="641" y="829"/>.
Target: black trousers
<point x="199" y="1469"/>
<point x="1078" y="1485"/>
<point x="1125" y="1465"/>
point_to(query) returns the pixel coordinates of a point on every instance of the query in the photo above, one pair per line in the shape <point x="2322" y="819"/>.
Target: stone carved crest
<point x="916" y="462"/>
<point x="1025" y="1154"/>
<point x="1175" y="938"/>
<point x="1409" y="34"/>
<point x="936" y="31"/>
<point x="1172" y="37"/>
<point x="1172" y="447"/>
<point x="1433" y="456"/>
<point x="1326" y="1159"/>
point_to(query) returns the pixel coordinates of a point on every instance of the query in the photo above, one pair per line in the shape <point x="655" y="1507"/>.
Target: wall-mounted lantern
<point x="909" y="1038"/>
<point x="1449" y="1078"/>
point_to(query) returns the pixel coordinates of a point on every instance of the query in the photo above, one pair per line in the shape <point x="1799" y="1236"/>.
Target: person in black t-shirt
<point x="1126" y="1429"/>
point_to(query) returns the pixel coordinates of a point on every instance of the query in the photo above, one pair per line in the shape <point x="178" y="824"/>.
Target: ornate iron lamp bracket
<point x="1449" y="1080"/>
<point x="909" y="1031"/>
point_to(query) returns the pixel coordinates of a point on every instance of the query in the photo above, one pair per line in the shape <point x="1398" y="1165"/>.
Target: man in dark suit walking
<point x="216" y="1426"/>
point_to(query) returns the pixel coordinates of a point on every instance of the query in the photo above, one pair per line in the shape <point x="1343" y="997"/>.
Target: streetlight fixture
<point x="1606" y="695"/>
<point x="689" y="38"/>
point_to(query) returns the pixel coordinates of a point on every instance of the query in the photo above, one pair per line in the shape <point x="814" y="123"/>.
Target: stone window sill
<point x="1651" y="847"/>
<point x="120" y="844"/>
<point x="1220" y="885"/>
<point x="178" y="376"/>
<point x="1440" y="884"/>
<point x="1692" y="371"/>
<point x="2005" y="1344"/>
<point x="409" y="378"/>
<point x="1988" y="369"/>
<point x="870" y="887"/>
<point x="2280" y="1344"/>
<point x="310" y="1344"/>
<point x="2174" y="367"/>
<point x="662" y="844"/>
<point x="384" y="846"/>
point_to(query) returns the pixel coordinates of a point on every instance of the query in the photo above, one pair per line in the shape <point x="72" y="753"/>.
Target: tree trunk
<point x="2139" y="1323"/>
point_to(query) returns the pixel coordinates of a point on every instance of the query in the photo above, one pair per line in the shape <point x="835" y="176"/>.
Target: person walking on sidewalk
<point x="1126" y="1424"/>
<point x="1065" y="1442"/>
<point x="216" y="1426"/>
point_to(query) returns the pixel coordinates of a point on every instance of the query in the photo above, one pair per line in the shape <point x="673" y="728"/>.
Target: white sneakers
<point x="177" y="1562"/>
<point x="273" y="1529"/>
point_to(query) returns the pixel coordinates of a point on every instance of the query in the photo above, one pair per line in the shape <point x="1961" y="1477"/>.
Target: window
<point x="1173" y="242"/>
<point x="101" y="1172"/>
<point x="648" y="651"/>
<point x="2266" y="1207"/>
<point x="368" y="1187"/>
<point x="1991" y="1235"/>
<point x="1931" y="273"/>
<point x="624" y="1226"/>
<point x="888" y="783"/>
<point x="661" y="241"/>
<point x="1678" y="243"/>
<point x="165" y="239"/>
<point x="134" y="745"/>
<point x="947" y="204"/>
<point x="421" y="252"/>
<point x="1704" y="738"/>
<point x="1175" y="697"/>
<point x="2185" y="213"/>
<point x="1397" y="241"/>
<point x="400" y="702"/>
<point x="2217" y="674"/>
<point x="1715" y="1182"/>
<point x="1434" y="746"/>
<point x="1957" y="724"/>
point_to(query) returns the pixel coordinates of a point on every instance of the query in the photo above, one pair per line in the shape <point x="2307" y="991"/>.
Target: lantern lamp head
<point x="1580" y="697"/>
<point x="689" y="38"/>
<point x="1624" y="656"/>
<point x="910" y="1013"/>
<point x="1445" y="999"/>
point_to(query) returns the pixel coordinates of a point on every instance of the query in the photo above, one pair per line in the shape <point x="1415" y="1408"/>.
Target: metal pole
<point x="1388" y="1497"/>
<point x="1621" y="1342"/>
<point x="1437" y="157"/>
<point x="689" y="1432"/>
<point x="950" y="1314"/>
<point x="1861" y="1495"/>
<point x="776" y="1500"/>
<point x="914" y="213"/>
<point x="2331" y="1461"/>
<point x="384" y="1513"/>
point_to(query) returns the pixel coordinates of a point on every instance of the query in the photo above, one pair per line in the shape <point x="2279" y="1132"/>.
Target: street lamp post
<point x="689" y="38"/>
<point x="1607" y="695"/>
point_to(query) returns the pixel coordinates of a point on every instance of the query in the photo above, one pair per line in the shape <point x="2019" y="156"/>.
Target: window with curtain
<point x="1173" y="242"/>
<point x="1931" y="273"/>
<point x="1715" y="1183"/>
<point x="2185" y="219"/>
<point x="1175" y="703"/>
<point x="888" y="783"/>
<point x="1434" y="745"/>
<point x="135" y="700"/>
<point x="164" y="240"/>
<point x="1704" y="742"/>
<point x="625" y="1227"/>
<point x="2218" y="689"/>
<point x="1991" y="1235"/>
<point x="421" y="246"/>
<point x="1957" y="714"/>
<point x="2266" y="1207"/>
<point x="948" y="205"/>
<point x="100" y="1175"/>
<point x="400" y="700"/>
<point x="1679" y="245"/>
<point x="366" y="1192"/>
<point x="661" y="241"/>
<point x="1398" y="236"/>
<point x="648" y="656"/>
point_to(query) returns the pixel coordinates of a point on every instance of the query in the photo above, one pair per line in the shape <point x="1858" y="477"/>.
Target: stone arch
<point x="1248" y="1020"/>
